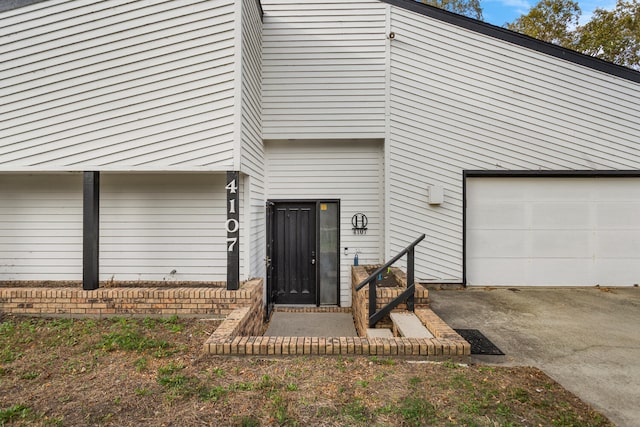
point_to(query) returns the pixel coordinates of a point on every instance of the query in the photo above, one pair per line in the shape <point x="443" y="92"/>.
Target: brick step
<point x="408" y="325"/>
<point x="379" y="333"/>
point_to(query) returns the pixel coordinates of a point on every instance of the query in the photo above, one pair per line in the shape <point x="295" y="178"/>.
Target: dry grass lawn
<point x="134" y="372"/>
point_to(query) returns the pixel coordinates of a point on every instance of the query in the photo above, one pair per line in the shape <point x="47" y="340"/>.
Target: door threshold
<point x="295" y="305"/>
<point x="299" y="308"/>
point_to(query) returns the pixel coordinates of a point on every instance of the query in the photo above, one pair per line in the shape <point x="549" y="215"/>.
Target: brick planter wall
<point x="238" y="335"/>
<point x="360" y="299"/>
<point x="129" y="301"/>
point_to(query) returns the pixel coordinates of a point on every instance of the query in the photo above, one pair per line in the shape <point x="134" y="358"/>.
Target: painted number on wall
<point x="232" y="226"/>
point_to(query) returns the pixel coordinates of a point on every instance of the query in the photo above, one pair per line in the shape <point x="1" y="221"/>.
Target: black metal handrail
<point x="408" y="294"/>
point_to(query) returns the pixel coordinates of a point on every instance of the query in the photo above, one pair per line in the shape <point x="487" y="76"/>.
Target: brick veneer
<point x="360" y="299"/>
<point x="130" y="301"/>
<point x="243" y="310"/>
<point x="229" y="339"/>
<point x="429" y="349"/>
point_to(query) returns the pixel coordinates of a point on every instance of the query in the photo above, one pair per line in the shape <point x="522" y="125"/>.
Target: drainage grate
<point x="479" y="343"/>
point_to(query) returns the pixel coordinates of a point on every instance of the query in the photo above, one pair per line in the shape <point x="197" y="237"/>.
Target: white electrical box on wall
<point x="436" y="194"/>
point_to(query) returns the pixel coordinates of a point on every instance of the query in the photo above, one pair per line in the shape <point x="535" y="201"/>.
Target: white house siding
<point x="117" y="85"/>
<point x="351" y="171"/>
<point x="40" y="227"/>
<point x="463" y="100"/>
<point x="251" y="146"/>
<point x="153" y="224"/>
<point x="324" y="69"/>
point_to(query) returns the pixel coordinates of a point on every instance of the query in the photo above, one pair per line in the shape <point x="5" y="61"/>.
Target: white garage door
<point x="553" y="231"/>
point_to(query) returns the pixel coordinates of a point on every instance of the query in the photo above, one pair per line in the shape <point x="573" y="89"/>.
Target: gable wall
<point x="462" y="100"/>
<point x="324" y="69"/>
<point x="117" y="85"/>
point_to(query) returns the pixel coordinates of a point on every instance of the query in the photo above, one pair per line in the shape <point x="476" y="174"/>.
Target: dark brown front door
<point x="293" y="253"/>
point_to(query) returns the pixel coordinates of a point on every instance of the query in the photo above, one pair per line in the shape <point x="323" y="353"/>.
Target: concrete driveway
<point x="587" y="339"/>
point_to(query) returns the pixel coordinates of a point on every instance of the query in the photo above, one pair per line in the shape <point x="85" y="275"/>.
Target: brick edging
<point x="445" y="346"/>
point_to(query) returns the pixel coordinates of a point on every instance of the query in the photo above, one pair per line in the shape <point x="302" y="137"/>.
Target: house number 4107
<point x="232" y="225"/>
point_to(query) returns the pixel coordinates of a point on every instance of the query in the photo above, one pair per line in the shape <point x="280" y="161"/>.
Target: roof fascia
<point x="6" y="5"/>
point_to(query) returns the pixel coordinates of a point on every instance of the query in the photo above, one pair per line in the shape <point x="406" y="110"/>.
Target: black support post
<point x="411" y="256"/>
<point x="233" y="230"/>
<point x="91" y="230"/>
<point x="373" y="303"/>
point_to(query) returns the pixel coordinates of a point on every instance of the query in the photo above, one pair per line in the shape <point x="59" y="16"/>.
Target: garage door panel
<point x="560" y="243"/>
<point x="498" y="190"/>
<point x="499" y="216"/>
<point x="562" y="232"/>
<point x="625" y="189"/>
<point x="560" y="215"/>
<point x="497" y="271"/>
<point x="616" y="272"/>
<point x="499" y="243"/>
<point x="578" y="190"/>
<point x="558" y="272"/>
<point x="618" y="244"/>
<point x="618" y="215"/>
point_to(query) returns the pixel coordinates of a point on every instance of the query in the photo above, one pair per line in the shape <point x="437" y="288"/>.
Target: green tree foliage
<point x="613" y="35"/>
<point x="470" y="8"/>
<point x="550" y="20"/>
<point x="610" y="35"/>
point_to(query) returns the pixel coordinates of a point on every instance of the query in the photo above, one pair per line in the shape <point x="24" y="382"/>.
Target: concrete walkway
<point x="284" y="324"/>
<point x="587" y="339"/>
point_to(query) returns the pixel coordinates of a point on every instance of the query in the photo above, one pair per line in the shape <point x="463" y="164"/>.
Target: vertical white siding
<point x="349" y="171"/>
<point x="152" y="224"/>
<point x="462" y="100"/>
<point x="117" y="85"/>
<point x="252" y="148"/>
<point x="324" y="69"/>
<point x="40" y="227"/>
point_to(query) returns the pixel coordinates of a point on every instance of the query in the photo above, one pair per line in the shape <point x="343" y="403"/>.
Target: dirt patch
<point x="121" y="372"/>
<point x="386" y="279"/>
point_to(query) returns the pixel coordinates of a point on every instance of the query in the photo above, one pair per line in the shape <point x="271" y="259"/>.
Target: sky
<point x="499" y="12"/>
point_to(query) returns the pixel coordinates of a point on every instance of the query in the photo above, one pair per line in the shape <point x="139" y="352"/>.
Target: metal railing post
<point x="411" y="277"/>
<point x="372" y="298"/>
<point x="407" y="296"/>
